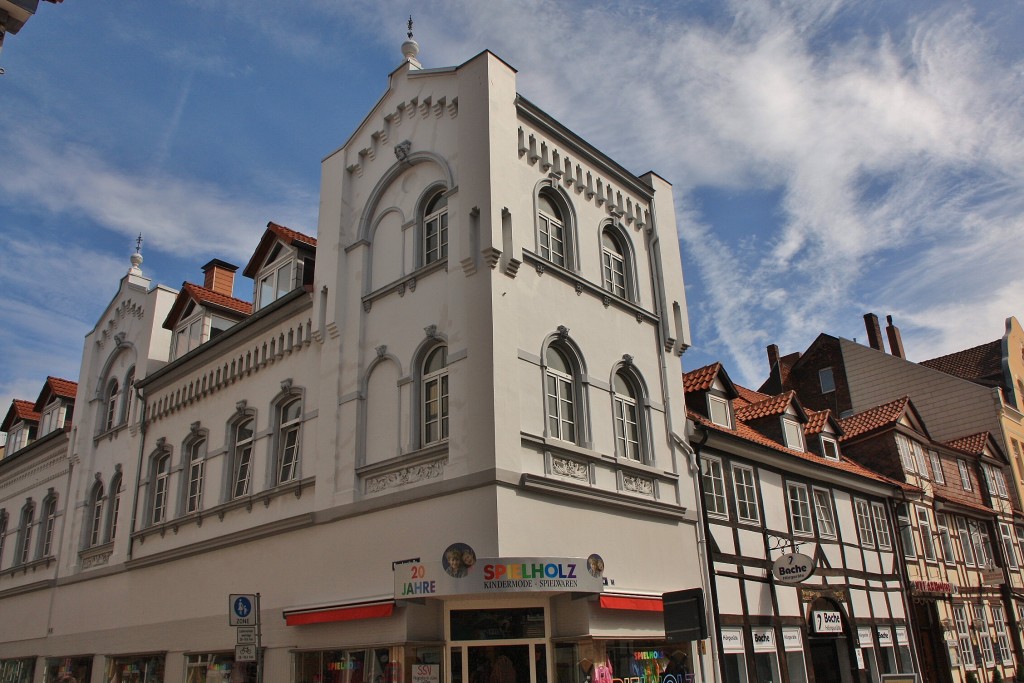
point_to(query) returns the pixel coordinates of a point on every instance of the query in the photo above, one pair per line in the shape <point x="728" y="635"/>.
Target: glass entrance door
<point x="490" y="663"/>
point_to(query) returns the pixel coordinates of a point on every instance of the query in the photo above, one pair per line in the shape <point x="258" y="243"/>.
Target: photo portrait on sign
<point x="458" y="560"/>
<point x="595" y="565"/>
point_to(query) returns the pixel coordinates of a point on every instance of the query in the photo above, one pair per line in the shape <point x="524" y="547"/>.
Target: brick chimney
<point x="220" y="277"/>
<point x="895" y="341"/>
<point x="874" y="332"/>
<point x="773" y="356"/>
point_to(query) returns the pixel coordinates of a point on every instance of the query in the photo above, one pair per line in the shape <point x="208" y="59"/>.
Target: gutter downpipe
<point x="138" y="471"/>
<point x="706" y="567"/>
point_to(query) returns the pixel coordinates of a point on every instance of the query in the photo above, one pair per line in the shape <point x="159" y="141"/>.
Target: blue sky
<point x="829" y="158"/>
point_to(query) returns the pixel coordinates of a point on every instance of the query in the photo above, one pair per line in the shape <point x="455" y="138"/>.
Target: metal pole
<point x="259" y="642"/>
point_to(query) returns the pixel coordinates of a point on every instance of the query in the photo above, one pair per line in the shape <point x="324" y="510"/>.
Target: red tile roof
<point x="817" y="419"/>
<point x="701" y="379"/>
<point x="874" y="418"/>
<point x="773" y="405"/>
<point x="64" y="388"/>
<point x="746" y="433"/>
<point x="980" y="362"/>
<point x="973" y="444"/>
<point x="964" y="501"/>
<point x="19" y="410"/>
<point x="204" y="297"/>
<point x="749" y="396"/>
<point x="271" y="235"/>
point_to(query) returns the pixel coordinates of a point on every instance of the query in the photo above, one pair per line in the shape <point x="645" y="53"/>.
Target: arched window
<point x="627" y="431"/>
<point x="552" y="233"/>
<point x="3" y="533"/>
<point x="616" y="264"/>
<point x="160" y="481"/>
<point x="96" y="515"/>
<point x="289" y="425"/>
<point x="561" y="396"/>
<point x="48" y="521"/>
<point x="23" y="552"/>
<point x="435" y="228"/>
<point x="196" y="453"/>
<point x="114" y="508"/>
<point x="126" y="395"/>
<point x="241" y="458"/>
<point x="110" y="416"/>
<point x="434" y="396"/>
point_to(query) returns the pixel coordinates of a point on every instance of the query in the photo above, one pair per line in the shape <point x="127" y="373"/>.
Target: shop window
<point x="903" y="646"/>
<point x="734" y="661"/>
<point x="376" y="665"/>
<point x="140" y="669"/>
<point x="746" y="494"/>
<point x="434" y="396"/>
<point x="67" y="670"/>
<point x="714" y="487"/>
<point x="218" y="668"/>
<point x="796" y="665"/>
<point x="823" y="511"/>
<point x="17" y="670"/>
<point x="435" y="228"/>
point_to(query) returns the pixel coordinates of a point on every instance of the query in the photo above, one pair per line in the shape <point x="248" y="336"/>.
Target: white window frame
<point x="745" y="492"/>
<point x="561" y="406"/>
<point x="24" y="548"/>
<point x="189" y="333"/>
<point x="882" y="536"/>
<point x="114" y="506"/>
<point x="963" y="633"/>
<point x="553" y="233"/>
<point x="829" y="448"/>
<point x="906" y="452"/>
<point x="241" y="462"/>
<point x="906" y="529"/>
<point x="288" y="446"/>
<point x="823" y="513"/>
<point x="161" y="487"/>
<point x="799" y="501"/>
<point x="924" y="525"/>
<point x="1009" y="547"/>
<point x="627" y="419"/>
<point x="714" y="487"/>
<point x="945" y="538"/>
<point x="862" y="511"/>
<point x="937" y="473"/>
<point x="965" y="474"/>
<point x="435" y="225"/>
<point x="110" y="406"/>
<point x="827" y="380"/>
<point x="793" y="433"/>
<point x="196" y="476"/>
<point x="963" y="532"/>
<point x="272" y="278"/>
<point x="1000" y="483"/>
<point x="984" y="635"/>
<point x="724" y="404"/>
<point x="1002" y="637"/>
<point x="920" y="459"/>
<point x="614" y="272"/>
<point x="49" y="521"/>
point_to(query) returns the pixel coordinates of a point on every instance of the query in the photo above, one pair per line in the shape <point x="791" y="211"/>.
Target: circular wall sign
<point x="792" y="568"/>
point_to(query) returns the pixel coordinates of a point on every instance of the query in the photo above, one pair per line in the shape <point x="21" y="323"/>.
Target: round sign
<point x="792" y="568"/>
<point x="242" y="606"/>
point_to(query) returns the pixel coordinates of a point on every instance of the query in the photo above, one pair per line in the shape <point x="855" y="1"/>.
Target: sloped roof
<point x="773" y="405"/>
<point x="19" y="410"/>
<point x="55" y="386"/>
<point x="207" y="298"/>
<point x="874" y="418"/>
<point x="701" y="379"/>
<point x="273" y="233"/>
<point x="967" y="501"/>
<point x="984" y="362"/>
<point x="749" y="396"/>
<point x="973" y="444"/>
<point x="817" y="419"/>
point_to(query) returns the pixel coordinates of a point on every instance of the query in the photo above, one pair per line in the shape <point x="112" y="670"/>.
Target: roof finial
<point x="410" y="48"/>
<point x="136" y="258"/>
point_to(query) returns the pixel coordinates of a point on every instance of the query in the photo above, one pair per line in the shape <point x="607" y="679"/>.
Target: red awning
<point x="326" y="615"/>
<point x="637" y="603"/>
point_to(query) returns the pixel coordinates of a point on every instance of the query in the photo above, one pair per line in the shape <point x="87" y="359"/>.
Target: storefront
<point x="144" y="668"/>
<point x="218" y="667"/>
<point x="68" y="669"/>
<point x="17" y="670"/>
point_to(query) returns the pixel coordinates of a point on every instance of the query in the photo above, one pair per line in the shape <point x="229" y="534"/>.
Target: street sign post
<point x="242" y="609"/>
<point x="245" y="653"/>
<point x="246" y="635"/>
<point x="244" y="614"/>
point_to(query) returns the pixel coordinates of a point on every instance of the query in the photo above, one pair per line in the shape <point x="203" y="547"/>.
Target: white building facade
<point x="446" y="441"/>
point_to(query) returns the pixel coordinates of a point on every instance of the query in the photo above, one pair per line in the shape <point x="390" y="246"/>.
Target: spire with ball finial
<point x="410" y="48"/>
<point x="136" y="258"/>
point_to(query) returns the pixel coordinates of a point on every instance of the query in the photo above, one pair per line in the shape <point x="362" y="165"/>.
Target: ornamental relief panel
<point x="406" y="476"/>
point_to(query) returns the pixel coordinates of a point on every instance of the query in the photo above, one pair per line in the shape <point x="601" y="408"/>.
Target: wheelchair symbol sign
<point x="240" y="610"/>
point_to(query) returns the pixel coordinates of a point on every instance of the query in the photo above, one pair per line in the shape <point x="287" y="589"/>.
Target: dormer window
<point x="793" y="433"/>
<point x="54" y="417"/>
<point x="17" y="438"/>
<point x="277" y="277"/>
<point x="718" y="411"/>
<point x="829" y="448"/>
<point x="188" y="334"/>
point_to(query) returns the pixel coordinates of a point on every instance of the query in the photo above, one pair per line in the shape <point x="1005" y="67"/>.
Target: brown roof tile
<point x="973" y="444"/>
<point x="19" y="410"/>
<point x="749" y="396"/>
<point x="271" y="235"/>
<point x="64" y="388"/>
<point x="701" y="379"/>
<point x="873" y="418"/>
<point x="817" y="419"/>
<point x="204" y="297"/>
<point x="773" y="405"/>
<point x="979" y="362"/>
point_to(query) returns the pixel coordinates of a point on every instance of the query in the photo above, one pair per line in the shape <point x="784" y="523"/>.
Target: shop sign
<point x="792" y="640"/>
<point x="901" y="636"/>
<point x="885" y="637"/>
<point x="864" y="637"/>
<point x="992" y="578"/>
<point x="764" y="639"/>
<point x="460" y="572"/>
<point x="860" y="657"/>
<point x="936" y="587"/>
<point x="732" y="640"/>
<point x="792" y="568"/>
<point x="827" y="622"/>
<point x="426" y="673"/>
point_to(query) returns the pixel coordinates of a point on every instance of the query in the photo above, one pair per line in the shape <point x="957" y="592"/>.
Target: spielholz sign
<point x="793" y="568"/>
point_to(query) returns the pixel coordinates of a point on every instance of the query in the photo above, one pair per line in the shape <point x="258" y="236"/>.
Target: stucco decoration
<point x="570" y="468"/>
<point x="406" y="476"/>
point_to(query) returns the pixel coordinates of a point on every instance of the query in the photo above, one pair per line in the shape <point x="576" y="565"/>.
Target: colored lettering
<point x="418" y="588"/>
